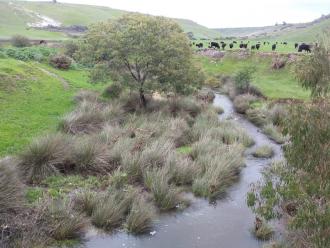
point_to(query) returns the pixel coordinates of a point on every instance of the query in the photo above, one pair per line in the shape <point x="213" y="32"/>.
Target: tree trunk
<point x="142" y="98"/>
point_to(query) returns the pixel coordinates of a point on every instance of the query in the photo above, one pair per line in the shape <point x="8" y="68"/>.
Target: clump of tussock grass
<point x="257" y="117"/>
<point x="91" y="157"/>
<point x="156" y="153"/>
<point x="88" y="117"/>
<point x="140" y="219"/>
<point x="85" y="202"/>
<point x="11" y="189"/>
<point x="62" y="221"/>
<point x="263" y="152"/>
<point x="206" y="95"/>
<point x="271" y="131"/>
<point x="132" y="166"/>
<point x="86" y="95"/>
<point x="277" y="114"/>
<point x="220" y="170"/>
<point x="179" y="132"/>
<point x="44" y="157"/>
<point x="165" y="195"/>
<point x="182" y="170"/>
<point x="110" y="134"/>
<point x="205" y="121"/>
<point x="263" y="231"/>
<point x="242" y="102"/>
<point x="119" y="179"/>
<point x="179" y="106"/>
<point x="112" y="208"/>
<point x="217" y="109"/>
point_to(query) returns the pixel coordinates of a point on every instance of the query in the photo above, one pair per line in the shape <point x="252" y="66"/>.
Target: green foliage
<point x="113" y="91"/>
<point x="33" y="53"/>
<point x="243" y="78"/>
<point x="20" y="41"/>
<point x="314" y="71"/>
<point x="70" y="48"/>
<point x="146" y="53"/>
<point x="34" y="194"/>
<point x="300" y="189"/>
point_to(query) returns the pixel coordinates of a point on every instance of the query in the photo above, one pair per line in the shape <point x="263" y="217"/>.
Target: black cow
<point x="304" y="47"/>
<point x="296" y="45"/>
<point x="234" y="42"/>
<point x="253" y="47"/>
<point x="215" y="45"/>
<point x="273" y="47"/>
<point x="200" y="45"/>
<point x="231" y="45"/>
<point x="257" y="46"/>
<point x="285" y="43"/>
<point x="42" y="42"/>
<point x="223" y="45"/>
<point x="264" y="43"/>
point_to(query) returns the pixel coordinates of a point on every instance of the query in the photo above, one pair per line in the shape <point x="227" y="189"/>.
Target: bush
<point x="60" y="61"/>
<point x="257" y="117"/>
<point x="11" y="190"/>
<point x="113" y="91"/>
<point x="278" y="114"/>
<point x="85" y="202"/>
<point x="243" y="79"/>
<point x="45" y="157"/>
<point x="70" y="48"/>
<point x="278" y="63"/>
<point x="263" y="152"/>
<point x="242" y="102"/>
<point x="140" y="218"/>
<point x="20" y="41"/>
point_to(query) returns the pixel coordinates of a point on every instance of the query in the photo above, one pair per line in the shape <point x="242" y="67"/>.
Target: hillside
<point x="16" y="16"/>
<point x="302" y="32"/>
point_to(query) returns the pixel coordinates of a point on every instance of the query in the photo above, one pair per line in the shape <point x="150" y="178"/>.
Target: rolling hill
<point x="18" y="16"/>
<point x="302" y="32"/>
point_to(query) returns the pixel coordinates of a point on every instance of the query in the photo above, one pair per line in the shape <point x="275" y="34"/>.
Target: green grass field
<point x="273" y="83"/>
<point x="31" y="102"/>
<point x="14" y="17"/>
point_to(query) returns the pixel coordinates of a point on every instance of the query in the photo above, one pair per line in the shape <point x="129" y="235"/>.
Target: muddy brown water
<point x="225" y="224"/>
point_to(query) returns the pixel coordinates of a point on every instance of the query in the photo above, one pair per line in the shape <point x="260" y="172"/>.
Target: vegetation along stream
<point x="226" y="223"/>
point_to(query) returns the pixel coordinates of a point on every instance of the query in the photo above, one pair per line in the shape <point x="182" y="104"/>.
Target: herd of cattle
<point x="215" y="45"/>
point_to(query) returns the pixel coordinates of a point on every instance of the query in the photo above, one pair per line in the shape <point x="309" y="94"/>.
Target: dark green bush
<point x="60" y="61"/>
<point x="20" y="41"/>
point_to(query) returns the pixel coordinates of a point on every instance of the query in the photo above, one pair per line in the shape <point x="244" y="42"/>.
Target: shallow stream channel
<point x="224" y="224"/>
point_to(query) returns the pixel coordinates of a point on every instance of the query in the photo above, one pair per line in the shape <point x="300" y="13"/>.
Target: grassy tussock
<point x="11" y="189"/>
<point x="85" y="202"/>
<point x="140" y="219"/>
<point x="263" y="152"/>
<point x="44" y="157"/>
<point x="263" y="232"/>
<point x="183" y="171"/>
<point x="242" y="102"/>
<point x="165" y="195"/>
<point x="257" y="117"/>
<point x="271" y="131"/>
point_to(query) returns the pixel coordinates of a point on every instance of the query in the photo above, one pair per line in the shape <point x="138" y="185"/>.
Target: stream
<point x="225" y="224"/>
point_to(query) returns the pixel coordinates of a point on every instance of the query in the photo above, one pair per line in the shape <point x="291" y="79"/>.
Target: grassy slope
<point x="71" y="14"/>
<point x="308" y="32"/>
<point x="31" y="101"/>
<point x="274" y="84"/>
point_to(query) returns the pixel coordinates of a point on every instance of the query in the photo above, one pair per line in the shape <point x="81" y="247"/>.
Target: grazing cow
<point x="264" y="43"/>
<point x="253" y="47"/>
<point x="234" y="42"/>
<point x="245" y="45"/>
<point x="296" y="45"/>
<point x="42" y="42"/>
<point x="214" y="45"/>
<point x="273" y="47"/>
<point x="231" y="45"/>
<point x="200" y="45"/>
<point x="285" y="43"/>
<point x="257" y="46"/>
<point x="304" y="47"/>
<point x="223" y="45"/>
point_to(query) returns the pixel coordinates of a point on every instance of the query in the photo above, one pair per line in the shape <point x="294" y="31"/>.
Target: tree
<point x="314" y="71"/>
<point x="144" y="52"/>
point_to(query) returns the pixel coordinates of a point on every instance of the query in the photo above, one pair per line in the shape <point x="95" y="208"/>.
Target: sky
<point x="228" y="13"/>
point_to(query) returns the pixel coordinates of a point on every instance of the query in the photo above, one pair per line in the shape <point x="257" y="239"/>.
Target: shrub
<point x="45" y="157"/>
<point x="254" y="90"/>
<point x="85" y="202"/>
<point x="278" y="114"/>
<point x="70" y="48"/>
<point x="263" y="231"/>
<point x="278" y="63"/>
<point x="182" y="171"/>
<point x="257" y="117"/>
<point x="140" y="218"/>
<point x="242" y="102"/>
<point x="113" y="91"/>
<point x="11" y="190"/>
<point x="20" y="41"/>
<point x="243" y="79"/>
<point x="60" y="62"/>
<point x="271" y="131"/>
<point x="263" y="152"/>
